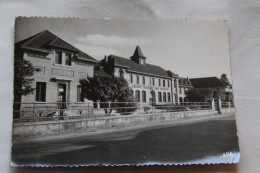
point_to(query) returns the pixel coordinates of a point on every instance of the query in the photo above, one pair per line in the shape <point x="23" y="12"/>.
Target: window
<point x="143" y="96"/>
<point x="143" y="80"/>
<point x="159" y="80"/>
<point x="159" y="96"/>
<point x="153" y="81"/>
<point x="164" y="97"/>
<point x="40" y="91"/>
<point x="121" y="73"/>
<point x="137" y="96"/>
<point x="141" y="61"/>
<point x="58" y="58"/>
<point x="163" y="83"/>
<point x="80" y="97"/>
<point x="62" y="60"/>
<point x="131" y="78"/>
<point x="180" y="90"/>
<point x="68" y="59"/>
<point x="137" y="79"/>
<point x="169" y="97"/>
<point x="168" y="83"/>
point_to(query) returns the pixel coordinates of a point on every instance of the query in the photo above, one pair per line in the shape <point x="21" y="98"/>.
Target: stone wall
<point x="227" y="110"/>
<point x="60" y="126"/>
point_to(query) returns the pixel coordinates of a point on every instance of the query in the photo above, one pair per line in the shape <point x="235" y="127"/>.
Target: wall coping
<point x="102" y="118"/>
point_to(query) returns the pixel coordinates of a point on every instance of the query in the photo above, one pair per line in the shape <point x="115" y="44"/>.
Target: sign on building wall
<point x="60" y="72"/>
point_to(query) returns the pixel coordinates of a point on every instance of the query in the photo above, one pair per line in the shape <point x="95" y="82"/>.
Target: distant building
<point x="213" y="83"/>
<point x="61" y="67"/>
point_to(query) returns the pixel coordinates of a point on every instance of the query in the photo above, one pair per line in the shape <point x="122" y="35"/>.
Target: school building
<point x="150" y="84"/>
<point x="60" y="68"/>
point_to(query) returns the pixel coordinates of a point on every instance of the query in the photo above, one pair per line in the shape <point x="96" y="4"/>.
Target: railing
<point x="29" y="112"/>
<point x="227" y="105"/>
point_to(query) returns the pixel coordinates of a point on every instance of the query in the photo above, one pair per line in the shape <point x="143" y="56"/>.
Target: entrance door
<point x="61" y="96"/>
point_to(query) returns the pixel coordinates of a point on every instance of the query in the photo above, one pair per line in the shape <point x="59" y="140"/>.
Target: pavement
<point x="171" y="142"/>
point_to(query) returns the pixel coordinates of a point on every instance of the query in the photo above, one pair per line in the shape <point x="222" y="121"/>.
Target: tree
<point x="199" y="94"/>
<point x="23" y="70"/>
<point x="225" y="79"/>
<point x="204" y="94"/>
<point x="228" y="95"/>
<point x="109" y="89"/>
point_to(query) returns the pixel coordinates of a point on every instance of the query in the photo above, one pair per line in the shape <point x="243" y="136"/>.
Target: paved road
<point x="175" y="142"/>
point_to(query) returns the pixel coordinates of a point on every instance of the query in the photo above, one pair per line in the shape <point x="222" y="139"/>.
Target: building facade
<point x="60" y="68"/>
<point x="150" y="84"/>
<point x="184" y="85"/>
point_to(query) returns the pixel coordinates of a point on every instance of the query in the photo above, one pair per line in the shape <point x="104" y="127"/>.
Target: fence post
<point x="88" y="110"/>
<point x="213" y="105"/>
<point x="229" y="105"/>
<point x="219" y="106"/>
<point x="98" y="104"/>
<point x="33" y="109"/>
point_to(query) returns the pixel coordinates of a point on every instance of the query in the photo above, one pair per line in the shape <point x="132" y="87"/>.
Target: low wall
<point x="227" y="110"/>
<point x="51" y="127"/>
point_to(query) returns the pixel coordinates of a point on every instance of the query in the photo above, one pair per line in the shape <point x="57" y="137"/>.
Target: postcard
<point x="91" y="92"/>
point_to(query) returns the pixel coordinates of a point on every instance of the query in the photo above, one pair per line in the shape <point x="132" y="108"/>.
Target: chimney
<point x="106" y="59"/>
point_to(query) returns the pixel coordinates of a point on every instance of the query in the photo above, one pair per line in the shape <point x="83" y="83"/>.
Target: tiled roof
<point x="141" y="68"/>
<point x="207" y="82"/>
<point x="45" y="40"/>
<point x="83" y="56"/>
<point x="57" y="42"/>
<point x="171" y="74"/>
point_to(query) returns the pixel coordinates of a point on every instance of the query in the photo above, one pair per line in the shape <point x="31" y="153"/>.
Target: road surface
<point x="169" y="143"/>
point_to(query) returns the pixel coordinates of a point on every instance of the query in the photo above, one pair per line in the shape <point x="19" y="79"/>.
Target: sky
<point x="190" y="48"/>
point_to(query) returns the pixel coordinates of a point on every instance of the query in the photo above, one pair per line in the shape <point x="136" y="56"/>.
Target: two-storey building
<point x="61" y="66"/>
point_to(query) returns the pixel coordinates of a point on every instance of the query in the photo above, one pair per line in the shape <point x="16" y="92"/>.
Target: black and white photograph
<point x="90" y="92"/>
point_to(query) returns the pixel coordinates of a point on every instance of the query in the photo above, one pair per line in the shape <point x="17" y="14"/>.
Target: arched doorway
<point x="152" y="98"/>
<point x="180" y="99"/>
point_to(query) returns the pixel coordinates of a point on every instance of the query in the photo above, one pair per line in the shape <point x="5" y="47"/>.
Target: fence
<point x="31" y="112"/>
<point x="227" y="105"/>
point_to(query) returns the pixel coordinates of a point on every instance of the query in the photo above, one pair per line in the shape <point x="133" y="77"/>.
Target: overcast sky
<point x="194" y="48"/>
